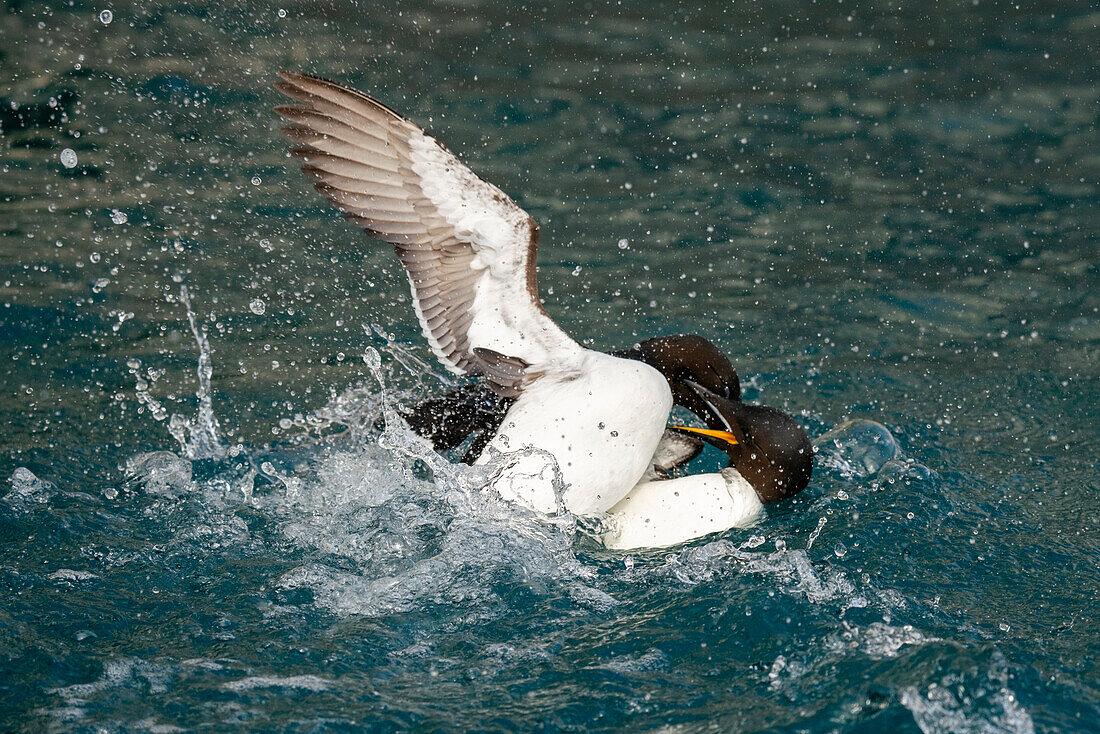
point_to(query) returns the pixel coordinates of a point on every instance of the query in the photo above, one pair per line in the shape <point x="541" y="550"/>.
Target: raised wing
<point x="468" y="248"/>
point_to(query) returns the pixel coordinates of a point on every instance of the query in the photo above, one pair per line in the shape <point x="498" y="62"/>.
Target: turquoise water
<point x="886" y="213"/>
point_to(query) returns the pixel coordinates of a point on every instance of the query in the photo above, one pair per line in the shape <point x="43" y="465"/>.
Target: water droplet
<point x="68" y="158"/>
<point x="624" y="244"/>
<point x="255" y="180"/>
<point x="257" y="306"/>
<point x="282" y="13"/>
<point x="118" y="217"/>
<point x="110" y="493"/>
<point x="266" y="244"/>
<point x="106" y="16"/>
<point x="839" y="550"/>
<point x="372" y="358"/>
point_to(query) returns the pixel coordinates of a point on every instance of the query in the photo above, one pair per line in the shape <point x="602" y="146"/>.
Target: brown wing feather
<point x="363" y="158"/>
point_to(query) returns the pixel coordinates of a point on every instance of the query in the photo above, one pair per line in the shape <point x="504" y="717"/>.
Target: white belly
<point x="602" y="429"/>
<point x="671" y="511"/>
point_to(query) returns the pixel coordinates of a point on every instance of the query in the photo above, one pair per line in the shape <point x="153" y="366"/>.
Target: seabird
<point x="469" y="251"/>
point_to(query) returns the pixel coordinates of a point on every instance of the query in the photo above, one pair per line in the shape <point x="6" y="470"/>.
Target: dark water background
<point x="883" y="211"/>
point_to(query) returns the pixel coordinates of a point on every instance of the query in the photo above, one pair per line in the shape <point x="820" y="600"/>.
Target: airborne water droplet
<point x="68" y="158"/>
<point x="257" y="306"/>
<point x="106" y="16"/>
<point x="118" y="217"/>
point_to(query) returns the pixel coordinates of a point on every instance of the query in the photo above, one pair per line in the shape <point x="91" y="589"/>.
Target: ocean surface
<point x="886" y="213"/>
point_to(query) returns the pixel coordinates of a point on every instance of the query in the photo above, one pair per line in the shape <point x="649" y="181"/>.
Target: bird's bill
<point x="710" y="433"/>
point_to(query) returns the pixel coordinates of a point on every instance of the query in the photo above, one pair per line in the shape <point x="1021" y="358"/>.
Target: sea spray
<point x="198" y="437"/>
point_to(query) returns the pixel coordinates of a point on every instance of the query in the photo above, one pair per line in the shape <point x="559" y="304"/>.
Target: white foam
<point x="877" y="640"/>
<point x="28" y="492"/>
<point x="299" y="682"/>
<point x="985" y="706"/>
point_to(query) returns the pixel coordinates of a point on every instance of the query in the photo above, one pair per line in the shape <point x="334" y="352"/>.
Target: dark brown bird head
<point x="766" y="446"/>
<point x="685" y="358"/>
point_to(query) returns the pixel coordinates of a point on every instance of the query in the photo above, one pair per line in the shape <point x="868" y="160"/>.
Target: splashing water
<point x="198" y="436"/>
<point x="891" y="223"/>
<point x="370" y="529"/>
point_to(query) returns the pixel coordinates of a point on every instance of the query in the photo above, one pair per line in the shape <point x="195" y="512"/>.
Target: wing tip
<point x="295" y="83"/>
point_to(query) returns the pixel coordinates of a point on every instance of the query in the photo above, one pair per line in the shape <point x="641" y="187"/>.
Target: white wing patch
<point x="490" y="225"/>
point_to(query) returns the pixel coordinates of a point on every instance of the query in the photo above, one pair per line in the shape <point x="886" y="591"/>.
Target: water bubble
<point x="257" y="306"/>
<point x="857" y="447"/>
<point x="106" y="16"/>
<point x="68" y="158"/>
<point x="118" y="217"/>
